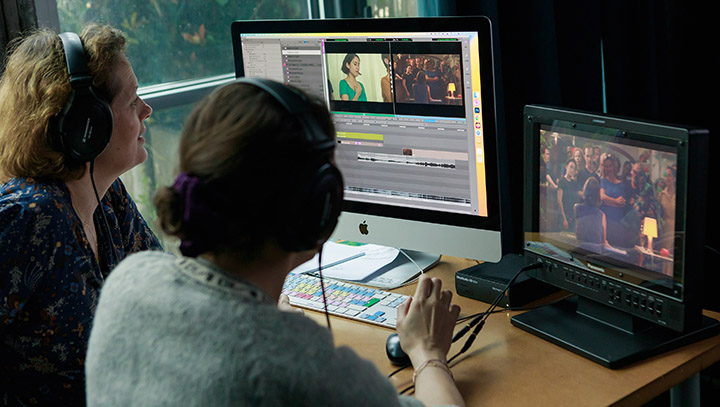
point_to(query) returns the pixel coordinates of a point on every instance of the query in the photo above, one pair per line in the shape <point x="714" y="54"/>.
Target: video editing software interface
<point x="621" y="223"/>
<point x="406" y="105"/>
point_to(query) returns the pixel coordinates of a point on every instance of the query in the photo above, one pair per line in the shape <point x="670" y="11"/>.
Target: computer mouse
<point x="395" y="352"/>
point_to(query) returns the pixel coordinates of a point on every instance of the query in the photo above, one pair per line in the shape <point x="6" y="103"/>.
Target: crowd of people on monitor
<point x="427" y="79"/>
<point x="607" y="197"/>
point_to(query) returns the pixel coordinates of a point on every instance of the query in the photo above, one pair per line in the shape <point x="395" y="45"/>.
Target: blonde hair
<point x="35" y="88"/>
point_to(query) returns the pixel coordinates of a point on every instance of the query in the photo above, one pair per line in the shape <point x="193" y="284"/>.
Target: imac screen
<point x="414" y="114"/>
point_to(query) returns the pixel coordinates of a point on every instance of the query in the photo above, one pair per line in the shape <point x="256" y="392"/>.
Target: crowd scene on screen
<point x="420" y="78"/>
<point x="629" y="205"/>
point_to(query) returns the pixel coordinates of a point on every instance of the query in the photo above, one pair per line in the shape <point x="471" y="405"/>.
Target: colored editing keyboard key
<point x="372" y="302"/>
<point x="344" y="299"/>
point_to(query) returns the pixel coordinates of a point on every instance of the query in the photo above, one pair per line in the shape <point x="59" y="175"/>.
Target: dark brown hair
<point x="247" y="150"/>
<point x="591" y="192"/>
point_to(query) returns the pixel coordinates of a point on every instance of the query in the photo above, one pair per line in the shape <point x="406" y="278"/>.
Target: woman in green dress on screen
<point x="350" y="88"/>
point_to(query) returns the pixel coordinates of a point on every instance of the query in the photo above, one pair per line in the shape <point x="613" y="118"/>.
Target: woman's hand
<point x="357" y="87"/>
<point x="284" y="305"/>
<point x="426" y="321"/>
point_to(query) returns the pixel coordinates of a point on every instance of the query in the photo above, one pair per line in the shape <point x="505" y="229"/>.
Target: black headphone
<point x="320" y="192"/>
<point x="84" y="126"/>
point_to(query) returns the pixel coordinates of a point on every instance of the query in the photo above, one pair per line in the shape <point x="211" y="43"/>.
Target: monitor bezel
<point x="478" y="24"/>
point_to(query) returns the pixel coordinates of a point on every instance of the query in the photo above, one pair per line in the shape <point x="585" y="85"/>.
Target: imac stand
<point x="401" y="270"/>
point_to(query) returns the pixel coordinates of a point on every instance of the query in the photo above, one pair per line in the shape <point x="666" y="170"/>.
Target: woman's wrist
<point x="433" y="363"/>
<point x="420" y="356"/>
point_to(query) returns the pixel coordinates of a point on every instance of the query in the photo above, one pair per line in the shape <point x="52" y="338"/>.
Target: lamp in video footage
<point x="650" y="231"/>
<point x="451" y="89"/>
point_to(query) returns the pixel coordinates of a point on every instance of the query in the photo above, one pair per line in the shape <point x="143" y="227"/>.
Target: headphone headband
<point x="75" y="60"/>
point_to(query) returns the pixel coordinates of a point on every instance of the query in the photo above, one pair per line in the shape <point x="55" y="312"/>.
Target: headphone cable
<point x="322" y="288"/>
<point x="479" y="321"/>
<point x="108" y="232"/>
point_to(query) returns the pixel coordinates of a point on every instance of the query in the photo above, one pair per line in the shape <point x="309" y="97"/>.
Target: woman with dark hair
<point x="205" y="329"/>
<point x="613" y="197"/>
<point x="350" y="88"/>
<point x="421" y="89"/>
<point x="568" y="194"/>
<point x="409" y="80"/>
<point x="64" y="222"/>
<point x="434" y="80"/>
<point x="590" y="222"/>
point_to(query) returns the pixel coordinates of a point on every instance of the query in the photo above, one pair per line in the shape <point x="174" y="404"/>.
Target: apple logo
<point x="364" y="228"/>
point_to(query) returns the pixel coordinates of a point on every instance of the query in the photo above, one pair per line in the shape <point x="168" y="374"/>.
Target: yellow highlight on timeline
<point x="360" y="136"/>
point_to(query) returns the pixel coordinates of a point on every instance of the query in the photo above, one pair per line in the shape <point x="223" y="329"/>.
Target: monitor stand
<point x="605" y="335"/>
<point x="401" y="270"/>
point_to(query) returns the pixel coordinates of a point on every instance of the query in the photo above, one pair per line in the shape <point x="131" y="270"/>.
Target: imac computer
<point x="413" y="102"/>
<point x="615" y="212"/>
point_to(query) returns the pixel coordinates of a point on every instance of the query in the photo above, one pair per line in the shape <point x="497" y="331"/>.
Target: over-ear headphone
<point x="320" y="192"/>
<point x="84" y="126"/>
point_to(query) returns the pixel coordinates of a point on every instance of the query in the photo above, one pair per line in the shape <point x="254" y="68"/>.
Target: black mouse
<point x="395" y="352"/>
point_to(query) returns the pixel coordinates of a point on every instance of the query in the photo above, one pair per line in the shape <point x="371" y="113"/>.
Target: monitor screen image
<point x="611" y="201"/>
<point x="614" y="213"/>
<point x="414" y="112"/>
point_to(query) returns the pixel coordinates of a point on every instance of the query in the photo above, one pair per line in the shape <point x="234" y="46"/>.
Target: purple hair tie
<point x="195" y="213"/>
<point x="184" y="186"/>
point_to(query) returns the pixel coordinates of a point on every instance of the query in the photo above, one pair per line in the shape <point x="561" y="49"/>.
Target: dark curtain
<point x="16" y="16"/>
<point x="546" y="52"/>
<point x="659" y="60"/>
<point x="662" y="64"/>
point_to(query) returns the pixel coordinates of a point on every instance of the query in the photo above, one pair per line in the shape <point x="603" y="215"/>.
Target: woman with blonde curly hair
<point x="66" y="219"/>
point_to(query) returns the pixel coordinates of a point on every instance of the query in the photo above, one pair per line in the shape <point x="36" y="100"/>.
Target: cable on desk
<point x="479" y="321"/>
<point x="400" y="369"/>
<point x="522" y="308"/>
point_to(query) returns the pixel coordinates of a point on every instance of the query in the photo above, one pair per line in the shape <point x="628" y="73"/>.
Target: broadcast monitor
<point x="614" y="211"/>
<point x="413" y="102"/>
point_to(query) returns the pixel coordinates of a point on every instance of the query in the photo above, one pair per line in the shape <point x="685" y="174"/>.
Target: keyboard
<point x="344" y="299"/>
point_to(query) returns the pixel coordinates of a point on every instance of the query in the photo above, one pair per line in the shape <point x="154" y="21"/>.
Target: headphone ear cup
<point x="85" y="126"/>
<point x="319" y="206"/>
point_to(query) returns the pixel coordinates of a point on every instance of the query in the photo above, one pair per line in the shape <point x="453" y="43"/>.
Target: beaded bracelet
<point x="433" y="363"/>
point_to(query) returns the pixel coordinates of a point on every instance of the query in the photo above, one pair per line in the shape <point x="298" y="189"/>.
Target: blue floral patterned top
<point x="49" y="285"/>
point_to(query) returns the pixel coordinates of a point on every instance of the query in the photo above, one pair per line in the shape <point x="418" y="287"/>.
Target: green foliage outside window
<point x="172" y="40"/>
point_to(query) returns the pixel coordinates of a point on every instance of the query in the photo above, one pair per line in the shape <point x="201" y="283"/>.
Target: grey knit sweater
<point x="172" y="331"/>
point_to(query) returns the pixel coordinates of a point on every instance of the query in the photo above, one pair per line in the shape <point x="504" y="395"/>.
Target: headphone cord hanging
<point x="108" y="232"/>
<point x="322" y="287"/>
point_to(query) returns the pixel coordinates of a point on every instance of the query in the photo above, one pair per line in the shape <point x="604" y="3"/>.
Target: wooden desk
<point x="507" y="366"/>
